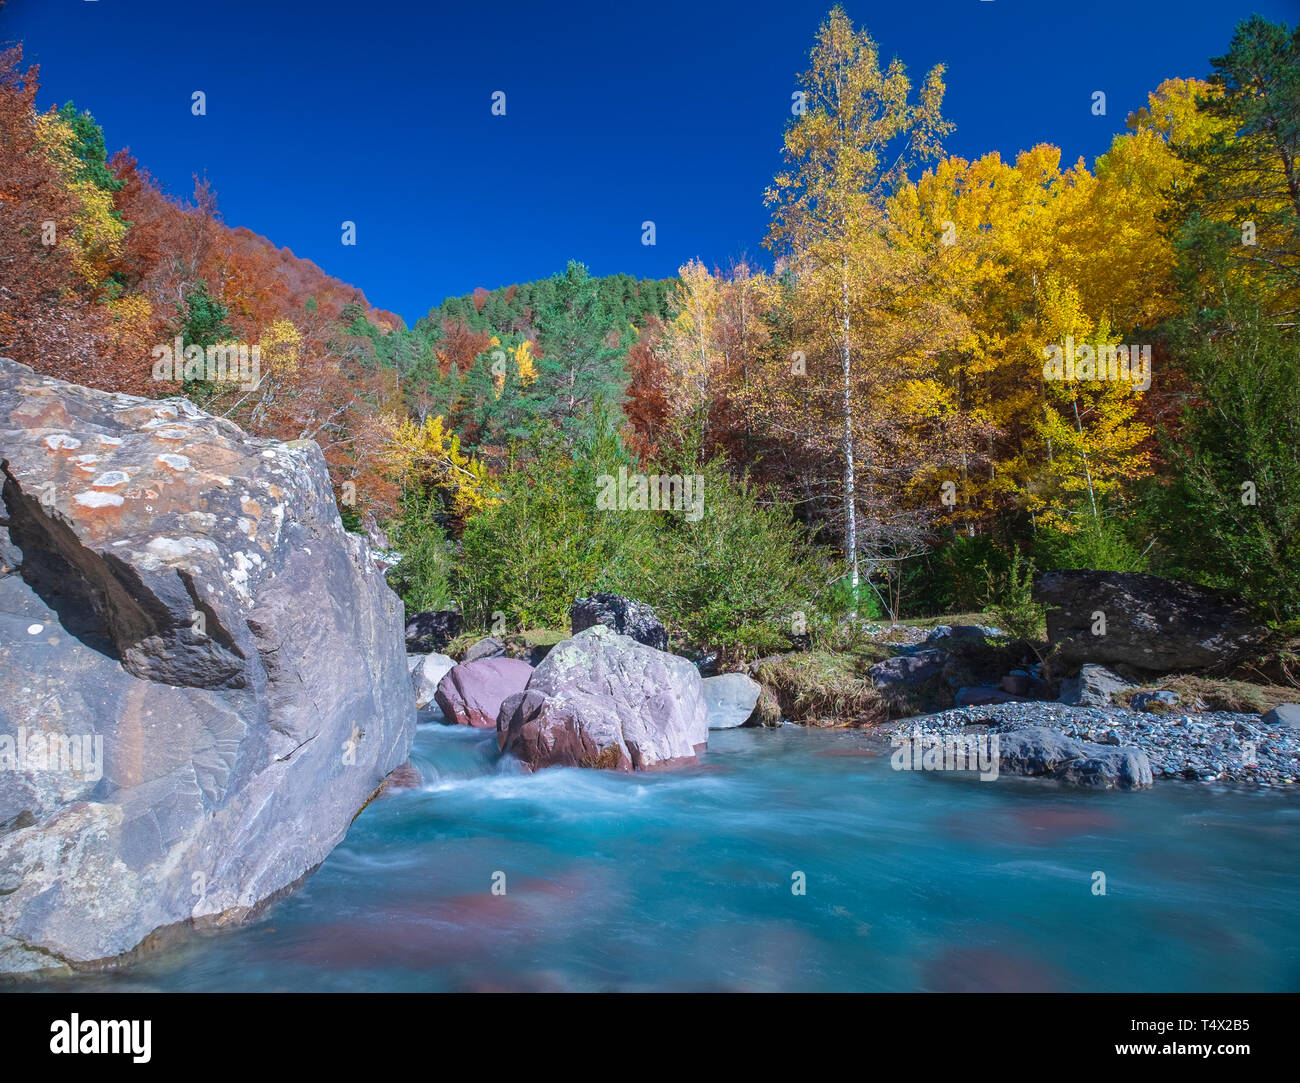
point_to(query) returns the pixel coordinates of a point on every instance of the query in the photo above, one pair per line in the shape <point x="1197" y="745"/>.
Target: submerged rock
<point x="202" y="678"/>
<point x="471" y="693"/>
<point x="605" y="700"/>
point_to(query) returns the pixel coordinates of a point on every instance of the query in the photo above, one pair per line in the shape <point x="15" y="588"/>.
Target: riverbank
<point x="1213" y="746"/>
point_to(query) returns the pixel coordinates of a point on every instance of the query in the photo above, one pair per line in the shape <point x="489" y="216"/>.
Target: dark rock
<point x="189" y="617"/>
<point x="1095" y="686"/>
<point x="1042" y="753"/>
<point x="913" y="683"/>
<point x="432" y="630"/>
<point x="912" y="670"/>
<point x="1155" y="702"/>
<point x="1153" y="624"/>
<point x="491" y="647"/>
<point x="471" y="693"/>
<point x="621" y="615"/>
<point x="605" y="700"/>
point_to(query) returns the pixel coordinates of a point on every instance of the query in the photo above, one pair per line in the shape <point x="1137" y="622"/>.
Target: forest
<point x="877" y="407"/>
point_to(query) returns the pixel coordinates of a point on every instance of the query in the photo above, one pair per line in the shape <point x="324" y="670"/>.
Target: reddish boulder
<point x="472" y="692"/>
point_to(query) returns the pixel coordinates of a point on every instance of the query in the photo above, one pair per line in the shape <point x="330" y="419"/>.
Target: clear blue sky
<point x="379" y="112"/>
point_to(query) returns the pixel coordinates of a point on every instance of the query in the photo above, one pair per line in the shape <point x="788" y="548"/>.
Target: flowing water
<point x="684" y="880"/>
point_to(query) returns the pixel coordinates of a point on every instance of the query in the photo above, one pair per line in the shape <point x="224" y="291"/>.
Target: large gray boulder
<point x="1095" y="686"/>
<point x="471" y="693"/>
<point x="1038" y="752"/>
<point x="621" y="615"/>
<point x="1150" y="623"/>
<point x="202" y="676"/>
<point x="604" y="700"/>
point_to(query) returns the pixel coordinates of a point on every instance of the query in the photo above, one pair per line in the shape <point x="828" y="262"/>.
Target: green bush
<point x="955" y="577"/>
<point x="1100" y="544"/>
<point x="546" y="543"/>
<point x="731" y="575"/>
<point x="738" y="578"/>
<point x="422" y="578"/>
<point x="1231" y="517"/>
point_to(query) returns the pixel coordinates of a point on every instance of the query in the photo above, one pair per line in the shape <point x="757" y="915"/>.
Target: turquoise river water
<point x="684" y="880"/>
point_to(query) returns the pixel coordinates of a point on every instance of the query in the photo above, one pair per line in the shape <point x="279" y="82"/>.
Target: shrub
<point x="735" y="578"/>
<point x="1100" y="544"/>
<point x="422" y="578"/>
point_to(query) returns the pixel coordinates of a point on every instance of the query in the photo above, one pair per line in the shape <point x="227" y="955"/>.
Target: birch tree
<point x="853" y="137"/>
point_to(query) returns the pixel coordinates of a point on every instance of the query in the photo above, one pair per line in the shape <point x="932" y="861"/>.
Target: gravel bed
<point x="1213" y="746"/>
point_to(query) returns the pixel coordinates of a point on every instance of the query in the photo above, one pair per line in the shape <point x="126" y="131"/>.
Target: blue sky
<point x="380" y="113"/>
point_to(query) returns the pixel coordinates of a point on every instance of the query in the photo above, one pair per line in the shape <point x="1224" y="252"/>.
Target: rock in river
<point x="1042" y="753"/>
<point x="471" y="693"/>
<point x="202" y="675"/>
<point x="427" y="672"/>
<point x="730" y="699"/>
<point x="605" y="700"/>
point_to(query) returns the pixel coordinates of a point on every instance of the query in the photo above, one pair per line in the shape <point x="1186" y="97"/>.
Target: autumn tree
<point x="846" y="152"/>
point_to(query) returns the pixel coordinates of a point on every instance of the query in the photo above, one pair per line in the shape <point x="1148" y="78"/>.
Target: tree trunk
<point x="850" y="503"/>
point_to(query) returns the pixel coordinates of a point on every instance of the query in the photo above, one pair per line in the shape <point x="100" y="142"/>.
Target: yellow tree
<point x="96" y="233"/>
<point x="426" y="458"/>
<point x="854" y="135"/>
<point x="688" y="347"/>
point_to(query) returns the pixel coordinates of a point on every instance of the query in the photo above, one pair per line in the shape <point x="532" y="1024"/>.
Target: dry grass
<point x="1214" y="694"/>
<point x="823" y="688"/>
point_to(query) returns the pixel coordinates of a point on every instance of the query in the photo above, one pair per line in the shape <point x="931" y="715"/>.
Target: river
<point x="687" y="880"/>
